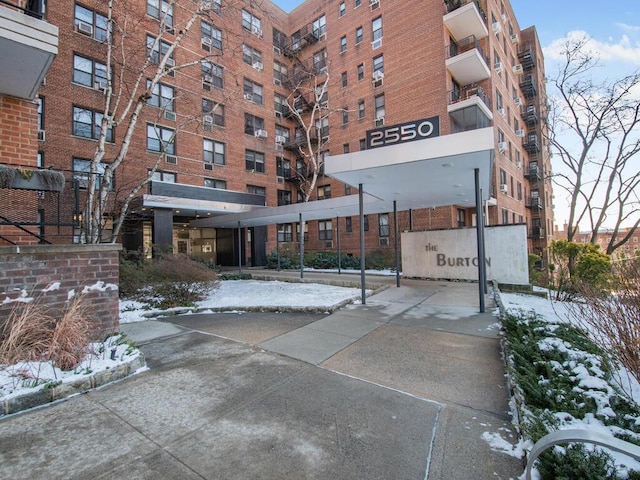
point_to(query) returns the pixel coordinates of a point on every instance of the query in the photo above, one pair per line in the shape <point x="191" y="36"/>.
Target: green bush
<point x="381" y="260"/>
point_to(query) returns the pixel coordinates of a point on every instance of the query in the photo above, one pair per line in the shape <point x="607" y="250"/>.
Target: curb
<point x="44" y="396"/>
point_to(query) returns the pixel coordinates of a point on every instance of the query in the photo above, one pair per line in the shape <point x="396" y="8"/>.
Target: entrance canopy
<point x="420" y="174"/>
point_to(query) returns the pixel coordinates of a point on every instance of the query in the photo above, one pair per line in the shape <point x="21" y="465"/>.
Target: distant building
<point x="629" y="249"/>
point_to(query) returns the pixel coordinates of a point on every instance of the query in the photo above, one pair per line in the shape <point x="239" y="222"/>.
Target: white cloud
<point x="623" y="51"/>
<point x="627" y="27"/>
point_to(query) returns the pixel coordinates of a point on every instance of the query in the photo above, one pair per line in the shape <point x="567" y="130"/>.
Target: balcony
<point x="531" y="144"/>
<point x="533" y="173"/>
<point x="307" y="35"/>
<point x="464" y="18"/>
<point x="534" y="202"/>
<point x="28" y="46"/>
<point x="526" y="57"/>
<point x="529" y="115"/>
<point x="467" y="62"/>
<point x="536" y="232"/>
<point x="469" y="108"/>
<point x="528" y="86"/>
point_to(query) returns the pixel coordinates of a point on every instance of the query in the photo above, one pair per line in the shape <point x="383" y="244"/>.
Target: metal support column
<point x="278" y="247"/>
<point x="301" y="246"/>
<point x="395" y="242"/>
<point x="362" y="276"/>
<point x="410" y="220"/>
<point x="338" y="241"/>
<point x="239" y="248"/>
<point x="480" y="237"/>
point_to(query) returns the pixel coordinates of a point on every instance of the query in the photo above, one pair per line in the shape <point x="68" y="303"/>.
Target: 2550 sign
<point x="404" y="132"/>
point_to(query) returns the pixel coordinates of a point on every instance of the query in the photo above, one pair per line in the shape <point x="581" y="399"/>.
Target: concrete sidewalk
<point x="403" y="387"/>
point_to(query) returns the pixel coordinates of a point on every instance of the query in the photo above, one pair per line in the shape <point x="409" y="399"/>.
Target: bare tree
<point x="595" y="133"/>
<point x="133" y="77"/>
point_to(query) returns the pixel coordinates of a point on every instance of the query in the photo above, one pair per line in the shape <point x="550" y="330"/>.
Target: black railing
<point x="467" y="92"/>
<point x="33" y="8"/>
<point x="464" y="45"/>
<point x="452" y="5"/>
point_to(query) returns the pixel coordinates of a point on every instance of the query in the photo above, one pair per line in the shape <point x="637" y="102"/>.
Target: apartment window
<point x="306" y="230"/>
<point x="347" y="189"/>
<point x="157" y="49"/>
<point x="251" y="22"/>
<point x="214" y="110"/>
<point x="160" y="176"/>
<point x="363" y="144"/>
<point x="161" y="96"/>
<point x="40" y="159"/>
<point x="376" y="29"/>
<point x="505" y="216"/>
<point x="460" y="217"/>
<point x="342" y="9"/>
<point x="357" y="3"/>
<point x="215" y="183"/>
<point x="215" y="5"/>
<point x="88" y="72"/>
<point x="280" y="39"/>
<point x="320" y="26"/>
<point x="348" y="224"/>
<point x="512" y="189"/>
<point x="161" y="139"/>
<point x="345" y="116"/>
<point x="282" y="131"/>
<point x="378" y="64"/>
<point x="320" y="60"/>
<point x="82" y="170"/>
<point x="345" y="148"/>
<point x="379" y="106"/>
<point x="325" y="230"/>
<point x="324" y="192"/>
<point x="283" y="168"/>
<point x="285" y="232"/>
<point x="500" y="136"/>
<point x="284" y="197"/>
<point x="87" y="123"/>
<point x="361" y="111"/>
<point x="213" y="152"/>
<point x="322" y="127"/>
<point x="212" y="74"/>
<point x="343" y="44"/>
<point x="91" y="23"/>
<point x="252" y="91"/>
<point x="211" y="36"/>
<point x="279" y="104"/>
<point x="162" y="10"/>
<point x="503" y="178"/>
<point x="252" y="123"/>
<point x="366" y="223"/>
<point x="40" y="113"/>
<point x="360" y="71"/>
<point x="498" y="100"/>
<point x="359" y="35"/>
<point x="256" y="190"/>
<point x="519" y="191"/>
<point x="383" y="225"/>
<point x="279" y="73"/>
<point x="344" y="79"/>
<point x="254" y="161"/>
<point x="251" y="56"/>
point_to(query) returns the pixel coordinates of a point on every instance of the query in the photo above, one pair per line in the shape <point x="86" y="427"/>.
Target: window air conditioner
<point x="260" y="133"/>
<point x="503" y="188"/>
<point x="517" y="69"/>
<point x="380" y="122"/>
<point x="172" y="159"/>
<point x="518" y="101"/>
<point x="280" y="139"/>
<point x="256" y="30"/>
<point x="208" y="119"/>
<point x="85" y="28"/>
<point x="248" y="96"/>
<point x="374" y="4"/>
<point x="383" y="241"/>
<point x="376" y="43"/>
<point x="100" y="85"/>
<point x="496" y="27"/>
<point x="258" y="65"/>
<point x="170" y="62"/>
<point x="378" y="75"/>
<point x="502" y="147"/>
<point x="501" y="112"/>
<point x="277" y="50"/>
<point x="168" y="115"/>
<point x="206" y="40"/>
<point x="498" y="67"/>
<point x="520" y="133"/>
<point x="280" y="179"/>
<point x="515" y="38"/>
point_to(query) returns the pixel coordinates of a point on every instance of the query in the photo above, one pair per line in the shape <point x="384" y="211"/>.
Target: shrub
<point x="381" y="260"/>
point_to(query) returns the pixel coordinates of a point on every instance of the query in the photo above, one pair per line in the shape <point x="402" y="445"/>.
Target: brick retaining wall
<point x="51" y="274"/>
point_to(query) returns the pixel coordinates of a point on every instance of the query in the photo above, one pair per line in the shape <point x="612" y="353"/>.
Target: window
<point x="251" y="56"/>
<point x="500" y="136"/>
<point x="161" y="96"/>
<point x="82" y="170"/>
<point x="360" y="71"/>
<point x="379" y="109"/>
<point x="325" y="230"/>
<point x="252" y="91"/>
<point x="285" y="232"/>
<point x="211" y="36"/>
<point x="162" y="10"/>
<point x="160" y="176"/>
<point x="283" y="168"/>
<point x="91" y="23"/>
<point x="503" y="179"/>
<point x="87" y="124"/>
<point x="40" y="160"/>
<point x="359" y="35"/>
<point x="252" y="123"/>
<point x="512" y="189"/>
<point x="320" y="60"/>
<point x="361" y="112"/>
<point x="157" y="49"/>
<point x="212" y="74"/>
<point x="460" y="216"/>
<point x="366" y="223"/>
<point x="215" y="183"/>
<point x="376" y="30"/>
<point x="357" y="3"/>
<point x="363" y="144"/>
<point x="282" y="131"/>
<point x="345" y="116"/>
<point x="320" y="26"/>
<point x="40" y="113"/>
<point x="214" y="5"/>
<point x="280" y="39"/>
<point x="322" y="128"/>
<point x="499" y="105"/>
<point x="284" y="197"/>
<point x="254" y="161"/>
<point x="214" y="110"/>
<point x="161" y="139"/>
<point x="383" y="225"/>
<point x="347" y="189"/>
<point x="213" y="152"/>
<point x="342" y="9"/>
<point x="345" y="148"/>
<point x="344" y="79"/>
<point x="279" y="104"/>
<point x="256" y="190"/>
<point x="324" y="192"/>
<point x="89" y="72"/>
<point x="348" y="225"/>
<point x="505" y="216"/>
<point x="251" y="23"/>
<point x="343" y="44"/>
<point x="279" y="73"/>
<point x="519" y="191"/>
<point x="378" y="64"/>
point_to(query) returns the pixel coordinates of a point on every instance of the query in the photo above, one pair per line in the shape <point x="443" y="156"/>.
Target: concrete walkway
<point x="404" y="387"/>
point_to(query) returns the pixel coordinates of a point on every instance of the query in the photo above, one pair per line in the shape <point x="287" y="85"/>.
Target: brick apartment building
<point x="234" y="143"/>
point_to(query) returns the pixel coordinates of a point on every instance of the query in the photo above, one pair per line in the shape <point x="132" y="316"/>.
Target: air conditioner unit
<point x="41" y="135"/>
<point x="207" y="119"/>
<point x="277" y="50"/>
<point x="170" y="62"/>
<point x="281" y="139"/>
<point x="515" y="38"/>
<point x="172" y="159"/>
<point x="260" y="133"/>
<point x="277" y="81"/>
<point x="206" y="40"/>
<point x="328" y="244"/>
<point x="248" y="96"/>
<point x="520" y="133"/>
<point x="256" y="30"/>
<point x="383" y="241"/>
<point x="501" y="112"/>
<point x="278" y="114"/>
<point x="518" y="101"/>
<point x="503" y="188"/>
<point x="208" y="78"/>
<point x="374" y="4"/>
<point x="518" y="164"/>
<point x="378" y="75"/>
<point x="496" y="27"/>
<point x="100" y="85"/>
<point x="258" y="65"/>
<point x="504" y="17"/>
<point x="502" y="147"/>
<point x="280" y="179"/>
<point x="380" y="122"/>
<point x="498" y="67"/>
<point x="517" y="69"/>
<point x="376" y="43"/>
<point x="168" y="115"/>
<point x="208" y="166"/>
<point x="85" y="28"/>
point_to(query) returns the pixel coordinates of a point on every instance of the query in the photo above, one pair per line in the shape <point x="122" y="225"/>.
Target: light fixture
<point x="447" y="165"/>
<point x="177" y="211"/>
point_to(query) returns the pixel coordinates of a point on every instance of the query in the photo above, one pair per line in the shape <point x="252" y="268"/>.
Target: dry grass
<point x="71" y="336"/>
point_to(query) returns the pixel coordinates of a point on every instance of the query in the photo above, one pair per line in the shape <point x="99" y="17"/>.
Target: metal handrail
<point x="580" y="436"/>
